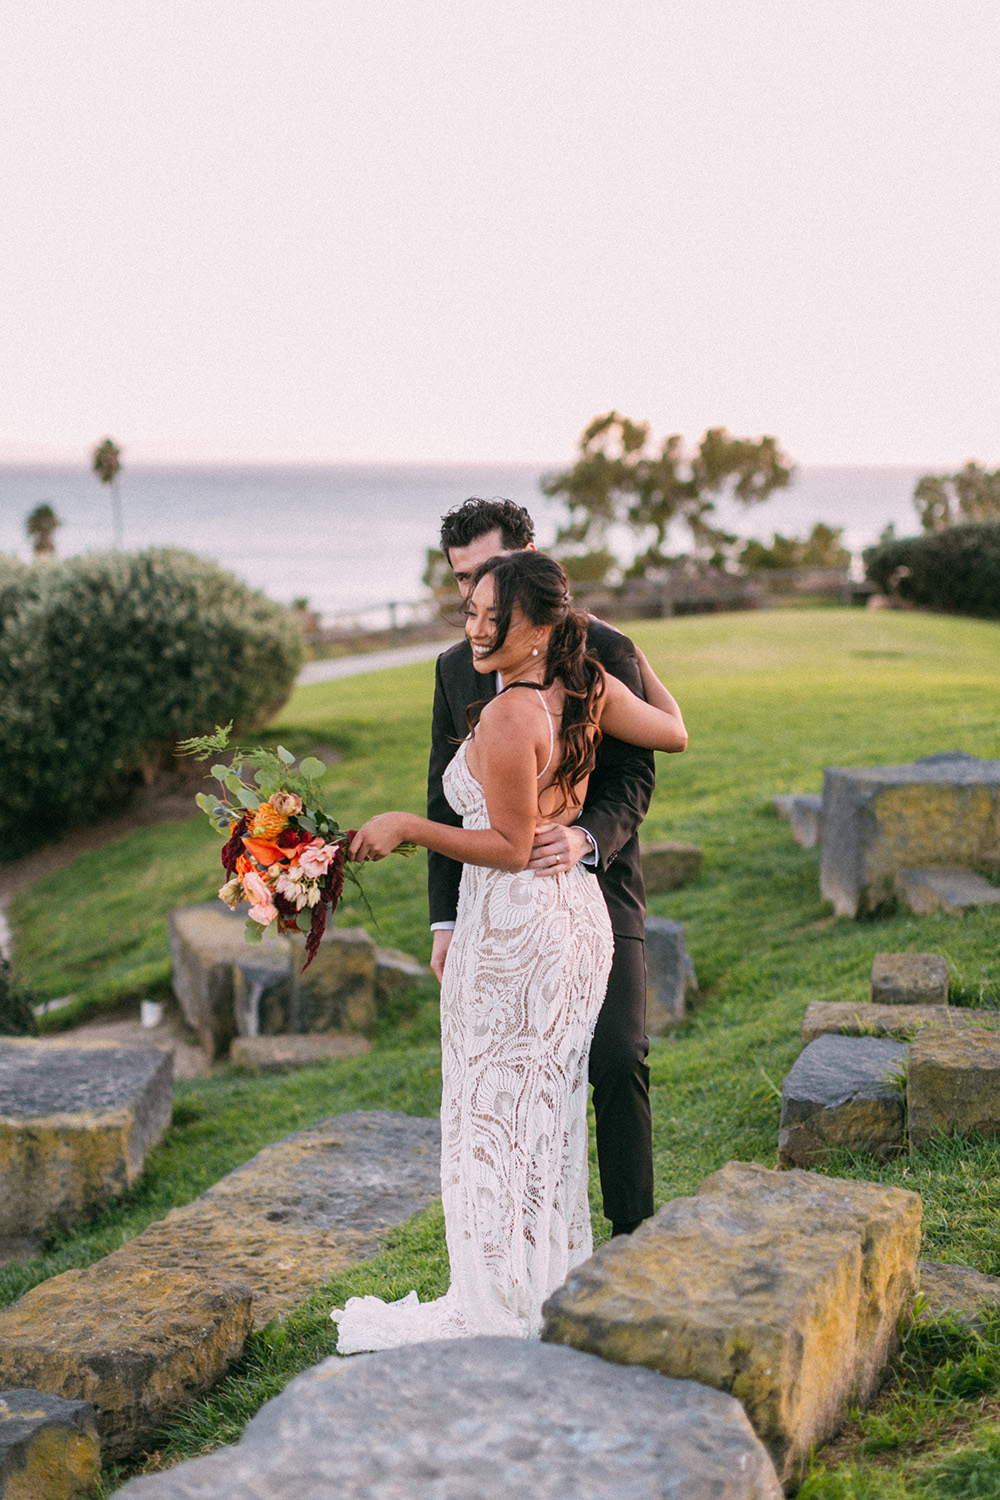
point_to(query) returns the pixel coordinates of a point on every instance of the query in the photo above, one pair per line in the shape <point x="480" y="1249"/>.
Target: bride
<point x="528" y="963"/>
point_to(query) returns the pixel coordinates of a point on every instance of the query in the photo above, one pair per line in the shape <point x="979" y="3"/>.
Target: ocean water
<point x="349" y="537"/>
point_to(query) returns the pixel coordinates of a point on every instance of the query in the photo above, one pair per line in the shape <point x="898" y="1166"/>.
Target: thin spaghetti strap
<point x="539" y="688"/>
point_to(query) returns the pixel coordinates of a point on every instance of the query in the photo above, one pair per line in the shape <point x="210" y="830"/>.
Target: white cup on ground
<point x="150" y="1012"/>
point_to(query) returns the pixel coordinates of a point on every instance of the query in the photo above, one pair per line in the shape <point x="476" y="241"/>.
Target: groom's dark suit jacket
<point x="617" y="797"/>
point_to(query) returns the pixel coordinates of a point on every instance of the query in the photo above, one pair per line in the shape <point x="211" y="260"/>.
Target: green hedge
<point x="957" y="570"/>
<point x="107" y="660"/>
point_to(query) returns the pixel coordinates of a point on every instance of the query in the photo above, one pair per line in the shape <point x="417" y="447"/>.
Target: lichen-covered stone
<point x="284" y="1054"/>
<point x="846" y="1018"/>
<point x="954" y="1082"/>
<point x="843" y="1091"/>
<point x="48" y="1447"/>
<point x="670" y="978"/>
<point x="302" y="1210"/>
<point x="887" y="1220"/>
<point x="909" y="979"/>
<point x="806" y="818"/>
<point x="781" y="1288"/>
<point x="337" y="991"/>
<point x="395" y="973"/>
<point x="951" y="889"/>
<point x="209" y="951"/>
<point x="958" y="1292"/>
<point x="134" y="1340"/>
<point x="76" y="1124"/>
<point x="669" y="864"/>
<point x="485" y="1418"/>
<point x="878" y="820"/>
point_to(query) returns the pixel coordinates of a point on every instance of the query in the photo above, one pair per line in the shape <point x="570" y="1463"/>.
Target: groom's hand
<point x="557" y="848"/>
<point x="440" y="943"/>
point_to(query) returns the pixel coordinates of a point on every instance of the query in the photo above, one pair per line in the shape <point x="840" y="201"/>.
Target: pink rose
<point x="264" y="914"/>
<point x="257" y="889"/>
<point x="316" y="858"/>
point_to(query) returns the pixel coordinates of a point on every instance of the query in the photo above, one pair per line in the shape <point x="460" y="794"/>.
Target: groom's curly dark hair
<point x="474" y="518"/>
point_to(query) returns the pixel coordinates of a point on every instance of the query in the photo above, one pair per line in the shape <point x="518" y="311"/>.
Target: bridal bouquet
<point x="283" y="853"/>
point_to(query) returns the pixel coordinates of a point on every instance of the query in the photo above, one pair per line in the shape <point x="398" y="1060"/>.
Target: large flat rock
<point x="954" y="1082"/>
<point x="805" y="813"/>
<point x="878" y="820"/>
<point x="302" y="1210"/>
<point x="670" y="978"/>
<point x="843" y="1091"/>
<point x="482" y="1419"/>
<point x="909" y="979"/>
<point x="959" y="1292"/>
<point x="898" y="1022"/>
<point x="136" y="1342"/>
<point x="951" y="889"/>
<point x="286" y="1054"/>
<point x="48" y="1447"/>
<point x="76" y="1124"/>
<point x="775" y="1287"/>
<point x="669" y="864"/>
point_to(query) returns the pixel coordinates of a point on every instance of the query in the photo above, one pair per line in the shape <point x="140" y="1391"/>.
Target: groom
<point x="604" y="837"/>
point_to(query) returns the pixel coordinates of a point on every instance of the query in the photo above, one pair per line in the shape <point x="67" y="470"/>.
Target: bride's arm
<point x="656" y="724"/>
<point x="505" y="745"/>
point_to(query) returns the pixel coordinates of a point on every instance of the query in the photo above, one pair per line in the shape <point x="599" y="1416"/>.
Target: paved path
<point x="373" y="661"/>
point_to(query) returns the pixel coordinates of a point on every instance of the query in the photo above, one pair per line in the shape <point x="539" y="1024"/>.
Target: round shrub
<point x="956" y="570"/>
<point x="15" y="584"/>
<point x="107" y="660"/>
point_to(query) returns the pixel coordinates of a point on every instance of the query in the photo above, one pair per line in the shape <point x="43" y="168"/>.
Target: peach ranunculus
<point x="316" y="858"/>
<point x="286" y="803"/>
<point x="264" y="914"/>
<point x="257" y="889"/>
<point x="266" y="822"/>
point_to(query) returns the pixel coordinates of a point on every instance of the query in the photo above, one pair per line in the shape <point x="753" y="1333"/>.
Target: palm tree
<point x="107" y="462"/>
<point x="41" y="527"/>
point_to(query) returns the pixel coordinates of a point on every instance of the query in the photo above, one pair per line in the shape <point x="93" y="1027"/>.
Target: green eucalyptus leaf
<point x="253" y="932"/>
<point x="312" y="768"/>
<point x="304" y="919"/>
<point x="220" y="772"/>
<point x="233" y="783"/>
<point x="248" y="799"/>
<point x="286" y="756"/>
<point x="305" y="821"/>
<point x="206" y="803"/>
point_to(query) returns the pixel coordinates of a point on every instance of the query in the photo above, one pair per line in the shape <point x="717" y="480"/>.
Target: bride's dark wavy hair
<point x="540" y="586"/>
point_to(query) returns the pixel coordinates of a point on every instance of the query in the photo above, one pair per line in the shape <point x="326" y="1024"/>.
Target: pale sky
<point x="378" y="230"/>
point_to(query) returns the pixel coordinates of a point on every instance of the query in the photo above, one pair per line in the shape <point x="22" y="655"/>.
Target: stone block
<point x="954" y="1082"/>
<point x="76" y="1124"/>
<point x="909" y="979"/>
<point x="210" y="955"/>
<point x="956" y="1291"/>
<point x="670" y="978"/>
<point x="951" y="889"/>
<point x="887" y="1220"/>
<point x="878" y="820"/>
<point x="844" y="1018"/>
<point x="337" y="991"/>
<point x="783" y="805"/>
<point x="843" y="1091"/>
<point x="285" y="1054"/>
<point x="395" y="973"/>
<point x="806" y="818"/>
<point x="781" y="1288"/>
<point x="482" y="1417"/>
<point x="133" y="1340"/>
<point x="300" y="1211"/>
<point x="48" y="1447"/>
<point x="668" y="865"/>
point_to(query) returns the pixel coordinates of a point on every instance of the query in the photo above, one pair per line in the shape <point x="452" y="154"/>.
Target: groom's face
<point x="465" y="560"/>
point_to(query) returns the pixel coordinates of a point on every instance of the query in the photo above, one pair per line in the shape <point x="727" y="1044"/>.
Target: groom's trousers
<point x="620" y="1080"/>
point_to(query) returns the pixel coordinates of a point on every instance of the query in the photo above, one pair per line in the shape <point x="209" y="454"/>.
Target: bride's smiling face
<point x="514" y="656"/>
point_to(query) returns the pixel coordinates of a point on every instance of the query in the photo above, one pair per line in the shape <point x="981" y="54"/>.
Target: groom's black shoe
<point x="617" y="1229"/>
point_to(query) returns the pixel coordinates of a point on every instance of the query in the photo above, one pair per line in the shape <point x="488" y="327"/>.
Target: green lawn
<point x="769" y="699"/>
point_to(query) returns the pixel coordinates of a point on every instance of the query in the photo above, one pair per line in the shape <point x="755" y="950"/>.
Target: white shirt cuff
<point x="592" y="858"/>
<point x="442" y="927"/>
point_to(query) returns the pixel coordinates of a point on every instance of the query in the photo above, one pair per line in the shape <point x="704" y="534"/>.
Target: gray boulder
<point x="48" y="1447"/>
<point x="909" y="979"/>
<point x="951" y="889"/>
<point x="843" y="1091"/>
<point x="671" y="983"/>
<point x="879" y="820"/>
<point x="482" y="1419"/>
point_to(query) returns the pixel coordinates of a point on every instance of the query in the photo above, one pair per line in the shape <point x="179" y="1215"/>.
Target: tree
<point x="107" y="463"/>
<point x="822" y="548"/>
<point x="619" y="477"/>
<point x="943" y="500"/>
<point x="41" y="526"/>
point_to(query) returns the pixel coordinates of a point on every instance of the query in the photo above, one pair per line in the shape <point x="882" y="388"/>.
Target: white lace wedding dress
<point x="524" y="981"/>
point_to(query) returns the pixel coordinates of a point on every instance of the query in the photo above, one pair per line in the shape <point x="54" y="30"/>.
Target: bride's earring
<point x="534" y="650"/>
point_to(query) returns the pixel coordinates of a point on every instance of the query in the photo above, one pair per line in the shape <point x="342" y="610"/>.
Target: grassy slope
<point x="770" y="699"/>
